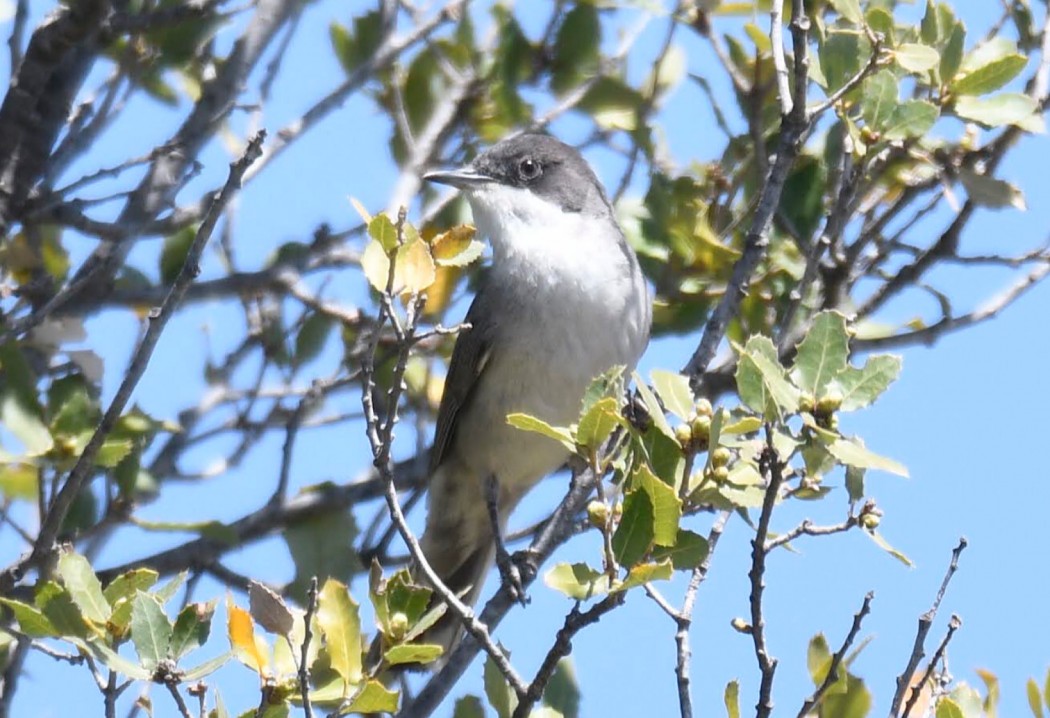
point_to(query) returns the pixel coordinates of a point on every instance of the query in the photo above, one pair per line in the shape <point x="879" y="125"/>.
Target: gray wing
<point x="469" y="359"/>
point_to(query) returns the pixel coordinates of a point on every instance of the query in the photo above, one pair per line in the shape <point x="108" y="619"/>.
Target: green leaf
<point x="643" y="573"/>
<point x="842" y="55"/>
<point x="850" y="10"/>
<point x="353" y="48"/>
<point x="1007" y="108"/>
<point x="1035" y="702"/>
<point x="822" y="354"/>
<point x="913" y="118"/>
<point x="988" y="191"/>
<point x="126" y="584"/>
<point x="860" y="387"/>
<point x="598" y="423"/>
<point x="468" y="707"/>
<point x="990" y="77"/>
<point x="60" y="610"/>
<point x="31" y="620"/>
<point x="421" y="653"/>
<point x="207" y="668"/>
<point x="576" y="48"/>
<point x="23" y="420"/>
<point x="150" y="630"/>
<point x="19" y="481"/>
<point x="855" y="483"/>
<point x="878" y="99"/>
<point x="577" y="580"/>
<point x="383" y="231"/>
<point x="802" y="200"/>
<point x="885" y="546"/>
<point x="192" y="627"/>
<point x="666" y="506"/>
<point x="913" y="57"/>
<point x="634" y="535"/>
<point x="673" y="389"/>
<point x="612" y="104"/>
<point x="116" y="662"/>
<point x="947" y="708"/>
<point x="79" y="579"/>
<point x="311" y="338"/>
<point x="538" y="426"/>
<point x="731" y="697"/>
<point x="113" y="451"/>
<point x="853" y="453"/>
<point x="563" y="691"/>
<point x="852" y="700"/>
<point x="322" y="547"/>
<point x="929" y="30"/>
<point x="652" y="405"/>
<point x="688" y="552"/>
<point x="374" y="697"/>
<point x="338" y="618"/>
<point x="951" y="56"/>
<point x="818" y="658"/>
<point x="502" y="699"/>
<point x="173" y="255"/>
<point x="762" y="381"/>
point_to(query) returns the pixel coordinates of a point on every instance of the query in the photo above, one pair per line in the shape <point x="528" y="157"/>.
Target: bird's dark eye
<point x="529" y="169"/>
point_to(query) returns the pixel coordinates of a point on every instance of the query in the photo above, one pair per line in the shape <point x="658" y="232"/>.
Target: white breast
<point x="576" y="305"/>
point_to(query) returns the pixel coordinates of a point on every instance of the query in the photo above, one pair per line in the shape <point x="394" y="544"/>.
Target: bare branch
<point x="574" y="623"/>
<point x="953" y="625"/>
<point x="836" y="660"/>
<point x="60" y="505"/>
<point x="772" y="469"/>
<point x="925" y="622"/>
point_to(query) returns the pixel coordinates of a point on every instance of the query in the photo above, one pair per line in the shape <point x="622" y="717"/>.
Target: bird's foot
<point x="511" y="574"/>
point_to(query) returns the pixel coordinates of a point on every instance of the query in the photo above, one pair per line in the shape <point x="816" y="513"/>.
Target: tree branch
<point x="918" y="648"/>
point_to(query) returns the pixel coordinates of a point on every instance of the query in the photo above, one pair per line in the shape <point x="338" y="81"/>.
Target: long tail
<point x="458" y="541"/>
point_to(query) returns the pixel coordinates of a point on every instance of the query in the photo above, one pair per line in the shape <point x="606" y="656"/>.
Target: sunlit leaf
<point x="853" y="453"/>
<point x="421" y="653"/>
<point x="538" y="426"/>
<point x="337" y="615"/>
<point x="916" y="58"/>
<point x="192" y="627"/>
<point x="673" y="389"/>
<point x="241" y="632"/>
<point x="79" y="579"/>
<point x="822" y="354"/>
<point x="577" y="580"/>
<point x="990" y="77"/>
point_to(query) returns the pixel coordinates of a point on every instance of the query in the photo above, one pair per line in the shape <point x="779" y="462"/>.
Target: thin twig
<point x="925" y="622"/>
<point x="173" y="689"/>
<point x="953" y="625"/>
<point x="85" y="465"/>
<point x="767" y="664"/>
<point x="836" y="660"/>
<point x="308" y="634"/>
<point x="575" y="621"/>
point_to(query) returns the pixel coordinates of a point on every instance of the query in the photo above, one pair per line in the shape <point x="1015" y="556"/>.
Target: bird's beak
<point x="463" y="178"/>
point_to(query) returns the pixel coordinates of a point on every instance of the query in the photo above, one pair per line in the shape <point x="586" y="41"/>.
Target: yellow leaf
<point x="440" y="293"/>
<point x="339" y="621"/>
<point x="456" y="247"/>
<point x="241" y="631"/>
<point x="376" y="265"/>
<point x="414" y="271"/>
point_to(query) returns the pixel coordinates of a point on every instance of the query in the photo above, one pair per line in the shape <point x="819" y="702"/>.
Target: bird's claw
<point x="511" y="576"/>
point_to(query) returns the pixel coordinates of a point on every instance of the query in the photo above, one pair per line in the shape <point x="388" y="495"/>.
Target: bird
<point x="564" y="301"/>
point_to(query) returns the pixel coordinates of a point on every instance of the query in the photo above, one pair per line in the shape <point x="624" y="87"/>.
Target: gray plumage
<point x="564" y="301"/>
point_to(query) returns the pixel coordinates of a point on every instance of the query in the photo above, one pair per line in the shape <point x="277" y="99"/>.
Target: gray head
<point x="547" y="168"/>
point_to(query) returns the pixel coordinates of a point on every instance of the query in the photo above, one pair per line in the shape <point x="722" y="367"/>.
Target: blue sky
<point x="968" y="417"/>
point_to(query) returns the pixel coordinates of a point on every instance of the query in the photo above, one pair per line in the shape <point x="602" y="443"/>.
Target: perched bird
<point x="564" y="301"/>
